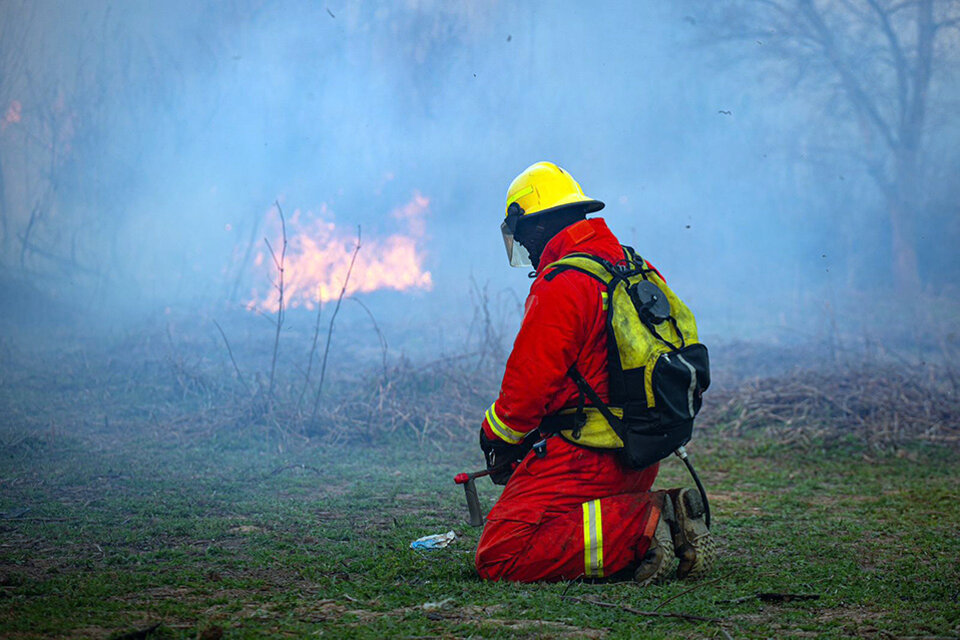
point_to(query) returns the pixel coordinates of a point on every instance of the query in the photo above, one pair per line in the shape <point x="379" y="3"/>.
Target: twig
<point x="26" y="235"/>
<point x="772" y="597"/>
<point x="64" y="263"/>
<point x="380" y="336"/>
<point x="693" y="588"/>
<point x="230" y="351"/>
<point x="336" y="309"/>
<point x="640" y="612"/>
<point x="279" y="265"/>
<point x="786" y="597"/>
<point x="313" y="350"/>
<point x="752" y="596"/>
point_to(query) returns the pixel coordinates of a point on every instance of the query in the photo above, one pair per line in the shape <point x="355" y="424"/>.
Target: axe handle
<point x="469" y="482"/>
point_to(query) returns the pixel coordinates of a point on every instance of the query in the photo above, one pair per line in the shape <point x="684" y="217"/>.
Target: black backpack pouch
<point x="647" y="440"/>
<point x="679" y="380"/>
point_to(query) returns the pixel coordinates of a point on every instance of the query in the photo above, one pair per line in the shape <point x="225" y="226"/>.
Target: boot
<point x="657" y="562"/>
<point x="692" y="542"/>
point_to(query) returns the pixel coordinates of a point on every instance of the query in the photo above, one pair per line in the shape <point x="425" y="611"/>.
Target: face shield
<point x="516" y="252"/>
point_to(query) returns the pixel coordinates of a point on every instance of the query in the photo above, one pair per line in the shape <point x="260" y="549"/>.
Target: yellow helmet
<point x="543" y="186"/>
<point x="540" y="189"/>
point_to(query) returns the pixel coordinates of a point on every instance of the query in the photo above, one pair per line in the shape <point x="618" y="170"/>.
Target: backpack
<point x="658" y="369"/>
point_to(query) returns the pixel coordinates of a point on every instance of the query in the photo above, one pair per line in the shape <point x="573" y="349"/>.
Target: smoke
<point x="143" y="146"/>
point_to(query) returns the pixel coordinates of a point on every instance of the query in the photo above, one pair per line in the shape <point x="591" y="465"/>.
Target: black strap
<point x="557" y="270"/>
<point x="637" y="260"/>
<point x="601" y="406"/>
<point x="562" y="422"/>
<point x="580" y="417"/>
<point x="558" y="422"/>
<point x="615" y="273"/>
<point x="683" y="341"/>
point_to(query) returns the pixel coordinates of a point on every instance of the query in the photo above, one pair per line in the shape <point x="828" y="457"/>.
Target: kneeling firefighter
<point x="604" y="380"/>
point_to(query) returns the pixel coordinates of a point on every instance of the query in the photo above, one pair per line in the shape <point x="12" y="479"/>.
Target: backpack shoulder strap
<point x="632" y="256"/>
<point x="637" y="264"/>
<point x="591" y="265"/>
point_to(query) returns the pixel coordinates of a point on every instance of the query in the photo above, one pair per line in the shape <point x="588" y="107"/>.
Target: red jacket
<point x="563" y="323"/>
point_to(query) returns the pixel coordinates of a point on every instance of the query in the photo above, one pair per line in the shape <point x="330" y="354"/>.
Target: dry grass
<point x="437" y="402"/>
<point x="883" y="405"/>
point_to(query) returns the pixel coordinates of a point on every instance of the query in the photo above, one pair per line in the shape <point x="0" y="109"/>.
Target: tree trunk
<point x="905" y="199"/>
<point x="903" y="244"/>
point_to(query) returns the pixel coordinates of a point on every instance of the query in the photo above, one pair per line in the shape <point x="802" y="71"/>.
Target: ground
<point x="120" y="532"/>
<point x="148" y="491"/>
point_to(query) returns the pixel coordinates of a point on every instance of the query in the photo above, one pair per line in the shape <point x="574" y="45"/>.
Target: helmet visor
<point x="516" y="253"/>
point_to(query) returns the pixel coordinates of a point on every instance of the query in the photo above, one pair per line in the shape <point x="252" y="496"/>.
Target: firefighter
<point x="569" y="511"/>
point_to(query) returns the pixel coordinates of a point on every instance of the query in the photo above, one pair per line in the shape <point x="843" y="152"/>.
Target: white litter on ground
<point x="436" y="541"/>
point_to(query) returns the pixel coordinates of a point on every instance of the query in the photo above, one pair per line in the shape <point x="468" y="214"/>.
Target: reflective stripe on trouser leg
<point x="592" y="540"/>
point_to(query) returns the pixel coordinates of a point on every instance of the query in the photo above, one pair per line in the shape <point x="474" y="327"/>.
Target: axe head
<point x="473" y="502"/>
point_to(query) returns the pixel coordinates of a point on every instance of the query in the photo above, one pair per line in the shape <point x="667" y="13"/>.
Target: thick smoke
<point x="143" y="146"/>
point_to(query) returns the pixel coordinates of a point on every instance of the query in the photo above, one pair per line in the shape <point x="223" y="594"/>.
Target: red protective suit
<point x="575" y="512"/>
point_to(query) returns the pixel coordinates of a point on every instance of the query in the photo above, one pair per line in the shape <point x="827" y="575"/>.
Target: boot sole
<point x="692" y="536"/>
<point x="664" y="544"/>
<point x="663" y="538"/>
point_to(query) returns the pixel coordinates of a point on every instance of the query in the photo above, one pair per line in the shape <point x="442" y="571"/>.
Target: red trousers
<point x="574" y="512"/>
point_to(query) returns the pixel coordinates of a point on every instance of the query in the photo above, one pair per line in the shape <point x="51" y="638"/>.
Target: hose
<point x="682" y="454"/>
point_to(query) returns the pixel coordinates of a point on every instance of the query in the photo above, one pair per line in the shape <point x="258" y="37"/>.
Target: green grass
<point x="227" y="533"/>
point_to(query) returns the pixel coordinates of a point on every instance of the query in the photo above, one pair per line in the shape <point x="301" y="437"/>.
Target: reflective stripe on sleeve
<point x="500" y="428"/>
<point x="592" y="540"/>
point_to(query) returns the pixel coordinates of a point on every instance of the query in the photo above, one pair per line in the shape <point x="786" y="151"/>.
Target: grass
<point x="134" y="496"/>
<point x="252" y="537"/>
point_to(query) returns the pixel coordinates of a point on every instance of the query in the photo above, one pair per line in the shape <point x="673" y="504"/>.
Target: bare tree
<point x="16" y="19"/>
<point x="877" y="68"/>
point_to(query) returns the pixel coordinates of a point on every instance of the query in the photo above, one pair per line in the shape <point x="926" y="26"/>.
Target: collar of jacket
<point x="587" y="236"/>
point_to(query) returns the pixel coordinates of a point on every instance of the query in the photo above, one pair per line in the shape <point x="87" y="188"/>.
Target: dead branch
<point x="230" y="351"/>
<point x="67" y="264"/>
<point x="280" y="311"/>
<point x="380" y="337"/>
<point x="333" y="317"/>
<point x="313" y="350"/>
<point x="693" y="588"/>
<point x="640" y="612"/>
<point x="26" y="235"/>
<point x="771" y="597"/>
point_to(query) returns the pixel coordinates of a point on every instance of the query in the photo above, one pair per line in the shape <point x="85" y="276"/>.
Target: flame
<point x="319" y="255"/>
<point x="13" y="114"/>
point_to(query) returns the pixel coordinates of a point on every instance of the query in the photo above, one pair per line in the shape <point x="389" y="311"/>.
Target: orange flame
<point x="319" y="255"/>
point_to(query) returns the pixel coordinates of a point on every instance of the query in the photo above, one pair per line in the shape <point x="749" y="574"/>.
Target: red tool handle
<point x="463" y="478"/>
